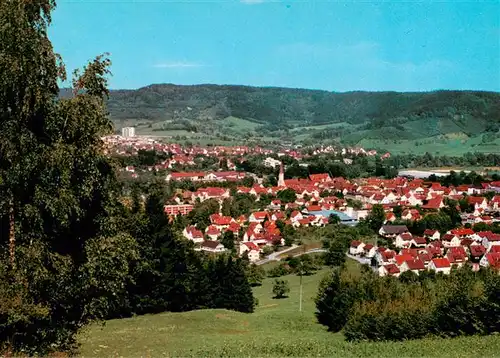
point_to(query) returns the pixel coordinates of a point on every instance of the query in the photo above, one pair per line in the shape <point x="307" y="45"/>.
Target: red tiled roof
<point x="392" y="269"/>
<point x="415" y="264"/>
<point x="462" y="232"/>
<point x="477" y="250"/>
<point x="441" y="262"/>
<point x="419" y="240"/>
<point x="493" y="259"/>
<point x="251" y="246"/>
<point x="402" y="258"/>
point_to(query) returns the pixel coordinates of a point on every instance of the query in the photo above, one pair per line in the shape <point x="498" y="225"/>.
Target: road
<point x="275" y="255"/>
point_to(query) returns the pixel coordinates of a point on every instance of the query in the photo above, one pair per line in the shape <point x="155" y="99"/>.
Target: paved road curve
<point x="274" y="255"/>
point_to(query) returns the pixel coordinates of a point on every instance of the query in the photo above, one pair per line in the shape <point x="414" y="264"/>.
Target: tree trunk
<point x="12" y="237"/>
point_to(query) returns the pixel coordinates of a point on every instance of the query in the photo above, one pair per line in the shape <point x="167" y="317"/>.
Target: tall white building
<point x="128" y="132"/>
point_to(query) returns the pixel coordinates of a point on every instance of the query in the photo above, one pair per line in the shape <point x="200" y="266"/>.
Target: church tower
<point x="281" y="176"/>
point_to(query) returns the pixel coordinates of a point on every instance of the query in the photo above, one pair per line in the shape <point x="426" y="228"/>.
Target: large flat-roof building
<point x="128" y="132"/>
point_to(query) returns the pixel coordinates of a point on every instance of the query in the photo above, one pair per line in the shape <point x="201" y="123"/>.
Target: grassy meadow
<point x="276" y="329"/>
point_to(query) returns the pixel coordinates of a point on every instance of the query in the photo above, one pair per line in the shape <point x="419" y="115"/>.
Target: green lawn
<point x="444" y="145"/>
<point x="238" y="125"/>
<point x="276" y="329"/>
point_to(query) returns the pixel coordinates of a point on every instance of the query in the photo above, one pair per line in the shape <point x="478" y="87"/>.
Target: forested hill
<point x="285" y="105"/>
<point x="448" y="122"/>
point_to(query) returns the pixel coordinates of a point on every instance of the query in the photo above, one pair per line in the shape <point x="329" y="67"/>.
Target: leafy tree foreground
<point x="63" y="259"/>
<point x="70" y="252"/>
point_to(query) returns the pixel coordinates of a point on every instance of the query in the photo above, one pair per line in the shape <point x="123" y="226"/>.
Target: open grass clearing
<point x="276" y="329"/>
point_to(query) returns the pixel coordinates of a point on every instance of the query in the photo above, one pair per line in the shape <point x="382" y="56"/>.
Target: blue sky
<point x="330" y="45"/>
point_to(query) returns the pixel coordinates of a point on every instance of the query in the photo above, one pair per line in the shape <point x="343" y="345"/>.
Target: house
<point x="296" y="216"/>
<point x="450" y="240"/>
<point x="321" y="178"/>
<point x="495" y="203"/>
<point x="491" y="240"/>
<point x="390" y="217"/>
<point x="411" y="214"/>
<point x="440" y="265"/>
<point x="356" y="247"/>
<point x="220" y="221"/>
<point x="457" y="255"/>
<point x="491" y="259"/>
<point x="212" y="246"/>
<point x="257" y="217"/>
<point x="435" y="203"/>
<point x="435" y="248"/>
<point x="477" y="252"/>
<point x="212" y="232"/>
<point x="369" y="251"/>
<point x="389" y="270"/>
<point x="384" y="256"/>
<point x="403" y="240"/>
<point x="199" y="176"/>
<point x="252" y="250"/>
<point x="462" y="233"/>
<point x="417" y="241"/>
<point x="211" y="193"/>
<point x="432" y="234"/>
<point x="478" y="202"/>
<point x="177" y="209"/>
<point x="426" y="257"/>
<point x="400" y="259"/>
<point x="391" y="231"/>
<point x="193" y="234"/>
<point x="414" y="265"/>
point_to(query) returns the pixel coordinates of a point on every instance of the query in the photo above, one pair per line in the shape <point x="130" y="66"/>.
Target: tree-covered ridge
<point x="282" y="105"/>
<point x="380" y="120"/>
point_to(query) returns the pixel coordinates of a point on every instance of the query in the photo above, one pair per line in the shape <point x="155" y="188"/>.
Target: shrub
<point x="280" y="288"/>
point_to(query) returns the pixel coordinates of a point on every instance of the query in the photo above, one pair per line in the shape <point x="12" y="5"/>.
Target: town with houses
<point x="320" y="196"/>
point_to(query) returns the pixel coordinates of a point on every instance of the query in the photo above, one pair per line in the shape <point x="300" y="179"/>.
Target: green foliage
<point x="335" y="299"/>
<point x="228" y="240"/>
<point x="265" y="333"/>
<point x="333" y="219"/>
<point x="368" y="307"/>
<point x="299" y="114"/>
<point x="59" y="215"/>
<point x="376" y="217"/>
<point x="255" y="275"/>
<point x="200" y="215"/>
<point x="280" y="270"/>
<point x="229" y="286"/>
<point x="287" y="195"/>
<point x="280" y="288"/>
<point x="289" y="234"/>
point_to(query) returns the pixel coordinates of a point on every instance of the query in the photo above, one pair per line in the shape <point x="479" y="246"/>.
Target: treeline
<point x="432" y="161"/>
<point x="284" y="105"/>
<point x="168" y="275"/>
<point x="369" y="307"/>
<point x="461" y="178"/>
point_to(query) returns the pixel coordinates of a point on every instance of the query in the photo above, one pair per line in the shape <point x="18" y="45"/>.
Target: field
<point x="444" y="145"/>
<point x="276" y="329"/>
